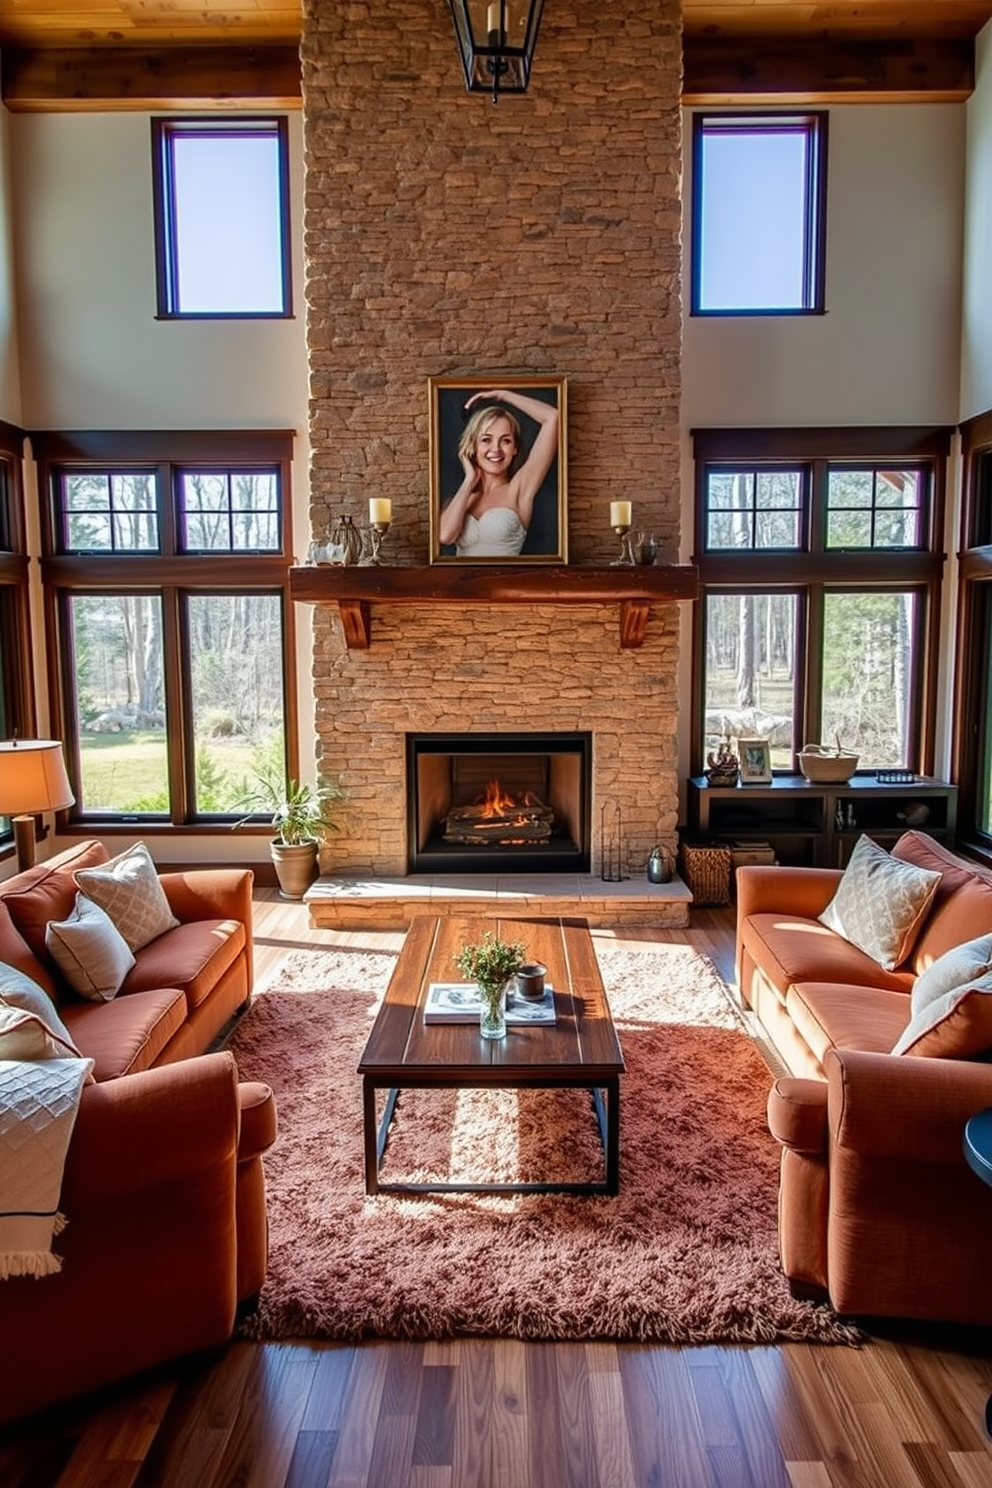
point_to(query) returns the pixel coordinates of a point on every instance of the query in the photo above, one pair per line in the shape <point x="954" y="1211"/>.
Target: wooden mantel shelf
<point x="354" y="589"/>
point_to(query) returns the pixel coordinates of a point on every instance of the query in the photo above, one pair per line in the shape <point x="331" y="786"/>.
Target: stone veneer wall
<point x="444" y="235"/>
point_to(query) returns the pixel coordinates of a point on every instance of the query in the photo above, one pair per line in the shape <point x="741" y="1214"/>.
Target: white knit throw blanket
<point x="38" y="1106"/>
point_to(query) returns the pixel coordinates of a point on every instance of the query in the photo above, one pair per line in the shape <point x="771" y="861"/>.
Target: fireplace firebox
<point x="517" y="802"/>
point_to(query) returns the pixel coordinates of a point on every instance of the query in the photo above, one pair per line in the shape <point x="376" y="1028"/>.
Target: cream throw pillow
<point x="128" y="889"/>
<point x="956" y="1025"/>
<point x="955" y="969"/>
<point x="89" y="950"/>
<point x="30" y="1028"/>
<point x="881" y="903"/>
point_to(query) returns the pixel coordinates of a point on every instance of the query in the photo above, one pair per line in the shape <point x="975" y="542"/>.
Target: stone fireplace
<point x="444" y="236"/>
<point x="509" y="802"/>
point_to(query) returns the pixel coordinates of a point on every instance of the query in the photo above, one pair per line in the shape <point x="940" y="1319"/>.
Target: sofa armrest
<point x="150" y="1130"/>
<point x="209" y="894"/>
<point x="214" y="894"/>
<point x="903" y="1108"/>
<point x="766" y="889"/>
<point x="797" y="1115"/>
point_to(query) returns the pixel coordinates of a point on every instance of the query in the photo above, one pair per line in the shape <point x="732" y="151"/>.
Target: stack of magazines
<point x="458" y="1002"/>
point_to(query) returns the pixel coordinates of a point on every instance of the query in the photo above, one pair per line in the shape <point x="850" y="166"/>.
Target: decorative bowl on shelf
<point x="827" y="766"/>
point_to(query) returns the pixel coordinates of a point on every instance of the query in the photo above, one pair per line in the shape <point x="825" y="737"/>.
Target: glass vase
<point x="492" y="1011"/>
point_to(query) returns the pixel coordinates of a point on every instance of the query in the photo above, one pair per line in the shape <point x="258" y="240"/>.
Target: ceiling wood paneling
<point x="119" y="54"/>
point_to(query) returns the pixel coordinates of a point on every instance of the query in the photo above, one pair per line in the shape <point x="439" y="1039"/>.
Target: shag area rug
<point x="685" y="1254"/>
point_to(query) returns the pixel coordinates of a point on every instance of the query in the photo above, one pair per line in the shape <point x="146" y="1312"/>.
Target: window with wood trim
<point x="758" y="213"/>
<point x="166" y="571"/>
<point x="820" y="566"/>
<point x="973" y="683"/>
<point x="221" y="199"/>
<point x="17" y="716"/>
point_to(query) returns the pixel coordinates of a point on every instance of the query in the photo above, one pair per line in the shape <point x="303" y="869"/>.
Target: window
<point x="973" y="681"/>
<point x="16" y="706"/>
<point x="758" y="213"/>
<point x="222" y="217"/>
<point x="166" y="558"/>
<point x="820" y="574"/>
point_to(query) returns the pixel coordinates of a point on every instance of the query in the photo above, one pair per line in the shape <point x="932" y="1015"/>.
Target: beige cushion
<point x="89" y="950"/>
<point x="956" y="968"/>
<point x="880" y="903"/>
<point x="128" y="889"/>
<point x="30" y="1028"/>
<point x="957" y="1025"/>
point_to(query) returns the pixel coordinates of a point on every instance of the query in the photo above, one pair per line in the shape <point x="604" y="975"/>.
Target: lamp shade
<point x="33" y="777"/>
<point x="496" y="43"/>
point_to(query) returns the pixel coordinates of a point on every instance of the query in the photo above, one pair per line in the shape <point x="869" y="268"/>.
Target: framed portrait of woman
<point x="498" y="469"/>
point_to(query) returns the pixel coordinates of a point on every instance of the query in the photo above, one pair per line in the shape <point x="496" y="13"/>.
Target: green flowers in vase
<point x="490" y="964"/>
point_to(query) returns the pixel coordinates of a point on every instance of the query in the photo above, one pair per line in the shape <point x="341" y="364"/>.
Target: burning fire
<point x="497" y="804"/>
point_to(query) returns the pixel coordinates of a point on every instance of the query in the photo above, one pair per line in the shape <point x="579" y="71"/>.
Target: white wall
<point x="10" y="384"/>
<point x="976" y="342"/>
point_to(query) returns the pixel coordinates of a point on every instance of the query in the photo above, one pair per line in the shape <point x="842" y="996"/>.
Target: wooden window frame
<point x="164" y="132"/>
<point x="974" y="625"/>
<point x="169" y="573"/>
<point x="814" y="570"/>
<point x="815" y="123"/>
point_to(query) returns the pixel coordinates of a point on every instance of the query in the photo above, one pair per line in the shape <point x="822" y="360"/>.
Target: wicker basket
<point x="706" y="870"/>
<point x="827" y="769"/>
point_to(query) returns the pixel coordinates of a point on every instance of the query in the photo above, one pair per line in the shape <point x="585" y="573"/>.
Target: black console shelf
<point x="818" y="825"/>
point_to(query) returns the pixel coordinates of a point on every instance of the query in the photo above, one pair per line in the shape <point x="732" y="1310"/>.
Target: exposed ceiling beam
<point x="135" y="78"/>
<point x="715" y="72"/>
<point x="820" y="70"/>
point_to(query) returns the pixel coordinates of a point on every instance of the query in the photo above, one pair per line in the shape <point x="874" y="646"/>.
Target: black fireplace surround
<point x="546" y="770"/>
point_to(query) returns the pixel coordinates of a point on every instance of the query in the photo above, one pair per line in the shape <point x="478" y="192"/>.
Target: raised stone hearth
<point x="383" y="903"/>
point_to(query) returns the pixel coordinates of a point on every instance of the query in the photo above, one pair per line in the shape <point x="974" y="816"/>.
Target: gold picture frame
<point x="532" y="526"/>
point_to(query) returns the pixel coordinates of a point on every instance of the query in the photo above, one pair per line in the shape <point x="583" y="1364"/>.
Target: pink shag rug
<point x="685" y="1254"/>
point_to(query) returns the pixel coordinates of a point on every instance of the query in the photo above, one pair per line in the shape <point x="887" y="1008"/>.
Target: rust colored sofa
<point x="877" y="1207"/>
<point x="163" y="1187"/>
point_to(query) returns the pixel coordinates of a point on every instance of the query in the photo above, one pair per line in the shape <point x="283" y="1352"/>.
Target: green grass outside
<point x="129" y="772"/>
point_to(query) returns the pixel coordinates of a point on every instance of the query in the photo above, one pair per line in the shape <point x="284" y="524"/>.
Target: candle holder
<point x="376" y="532"/>
<point x="626" y="558"/>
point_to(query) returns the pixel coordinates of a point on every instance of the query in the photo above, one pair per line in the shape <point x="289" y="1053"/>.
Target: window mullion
<point x="177" y="709"/>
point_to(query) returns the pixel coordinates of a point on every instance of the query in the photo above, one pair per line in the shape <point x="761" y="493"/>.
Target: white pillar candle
<point x="380" y="509"/>
<point x="492" y="18"/>
<point x="619" y="513"/>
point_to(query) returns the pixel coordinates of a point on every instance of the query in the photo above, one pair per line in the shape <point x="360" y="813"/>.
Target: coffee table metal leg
<point x="608" y="1121"/>
<point x="375" y="1140"/>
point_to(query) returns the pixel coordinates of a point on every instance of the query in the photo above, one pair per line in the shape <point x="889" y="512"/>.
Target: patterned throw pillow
<point x="957" y="1025"/>
<point x="30" y="1028"/>
<point x="881" y="903"/>
<point x="90" y="951"/>
<point x="128" y="889"/>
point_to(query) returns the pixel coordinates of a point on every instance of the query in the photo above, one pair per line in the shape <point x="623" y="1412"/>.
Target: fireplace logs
<point x="497" y="819"/>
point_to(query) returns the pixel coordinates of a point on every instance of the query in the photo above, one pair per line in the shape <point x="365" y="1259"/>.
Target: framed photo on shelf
<point x="498" y="469"/>
<point x="755" y="757"/>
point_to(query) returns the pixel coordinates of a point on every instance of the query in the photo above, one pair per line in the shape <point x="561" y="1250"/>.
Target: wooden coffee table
<point x="580" y="1049"/>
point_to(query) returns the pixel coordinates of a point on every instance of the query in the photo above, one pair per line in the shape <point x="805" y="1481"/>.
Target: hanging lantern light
<point x="496" y="42"/>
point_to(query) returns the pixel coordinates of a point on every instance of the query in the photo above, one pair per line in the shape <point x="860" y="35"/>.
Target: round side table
<point x="978" y="1155"/>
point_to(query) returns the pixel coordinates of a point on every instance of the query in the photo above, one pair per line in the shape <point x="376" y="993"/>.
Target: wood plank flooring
<point x="905" y="1410"/>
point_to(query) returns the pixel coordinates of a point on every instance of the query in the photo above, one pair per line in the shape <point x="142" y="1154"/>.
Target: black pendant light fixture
<point x="496" y="41"/>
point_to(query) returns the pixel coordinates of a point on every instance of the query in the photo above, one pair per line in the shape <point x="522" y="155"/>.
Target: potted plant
<point x="300" y="814"/>
<point x="491" y="963"/>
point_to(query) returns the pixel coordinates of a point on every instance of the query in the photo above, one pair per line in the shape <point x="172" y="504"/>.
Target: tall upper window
<point x="758" y="197"/>
<point x="167" y="557"/>
<point x="820" y="572"/>
<point x="222" y="217"/>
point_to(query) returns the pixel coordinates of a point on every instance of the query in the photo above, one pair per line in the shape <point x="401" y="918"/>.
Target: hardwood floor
<point x="903" y="1411"/>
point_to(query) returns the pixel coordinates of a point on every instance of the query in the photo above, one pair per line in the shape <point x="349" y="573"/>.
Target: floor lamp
<point x="32" y="780"/>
